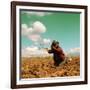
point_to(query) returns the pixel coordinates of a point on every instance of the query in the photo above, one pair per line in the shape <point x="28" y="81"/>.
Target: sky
<point x="39" y="29"/>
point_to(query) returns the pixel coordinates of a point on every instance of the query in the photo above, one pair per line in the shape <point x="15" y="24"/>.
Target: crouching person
<point x="58" y="54"/>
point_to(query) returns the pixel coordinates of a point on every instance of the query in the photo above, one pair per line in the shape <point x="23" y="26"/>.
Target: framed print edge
<point x="14" y="45"/>
<point x="86" y="45"/>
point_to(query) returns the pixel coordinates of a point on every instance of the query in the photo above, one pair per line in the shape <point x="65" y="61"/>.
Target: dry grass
<point x="39" y="67"/>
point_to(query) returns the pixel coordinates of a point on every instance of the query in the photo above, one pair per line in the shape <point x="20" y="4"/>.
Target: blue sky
<point x="43" y="27"/>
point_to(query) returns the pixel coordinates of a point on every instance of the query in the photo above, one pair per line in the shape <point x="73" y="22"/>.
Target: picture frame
<point x="19" y="14"/>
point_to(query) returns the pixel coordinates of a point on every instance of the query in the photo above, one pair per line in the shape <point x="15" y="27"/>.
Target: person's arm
<point x="50" y="51"/>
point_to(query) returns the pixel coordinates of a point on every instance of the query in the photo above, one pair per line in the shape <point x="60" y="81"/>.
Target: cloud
<point x="74" y="50"/>
<point x="25" y="30"/>
<point x="46" y="41"/>
<point x="34" y="48"/>
<point x="34" y="37"/>
<point x="40" y="14"/>
<point x="33" y="51"/>
<point x="34" y="32"/>
<point x="39" y="27"/>
<point x="43" y="42"/>
<point x="28" y="51"/>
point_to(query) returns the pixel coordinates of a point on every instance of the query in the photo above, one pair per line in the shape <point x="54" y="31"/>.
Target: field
<point x="40" y="67"/>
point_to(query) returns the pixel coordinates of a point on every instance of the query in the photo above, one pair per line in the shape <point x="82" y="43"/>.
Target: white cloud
<point x="34" y="37"/>
<point x="39" y="27"/>
<point x="24" y="26"/>
<point x="34" y="32"/>
<point x="25" y="30"/>
<point x="46" y="41"/>
<point x="34" y="52"/>
<point x="74" y="50"/>
<point x="34" y="48"/>
<point x="40" y="14"/>
<point x="30" y="30"/>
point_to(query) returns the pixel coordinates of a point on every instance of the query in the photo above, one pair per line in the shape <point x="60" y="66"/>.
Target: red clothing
<point x="59" y="52"/>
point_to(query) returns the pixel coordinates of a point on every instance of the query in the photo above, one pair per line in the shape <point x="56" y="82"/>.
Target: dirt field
<point x="39" y="67"/>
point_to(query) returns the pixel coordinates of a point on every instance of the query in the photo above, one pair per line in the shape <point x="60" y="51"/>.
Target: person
<point x="58" y="54"/>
